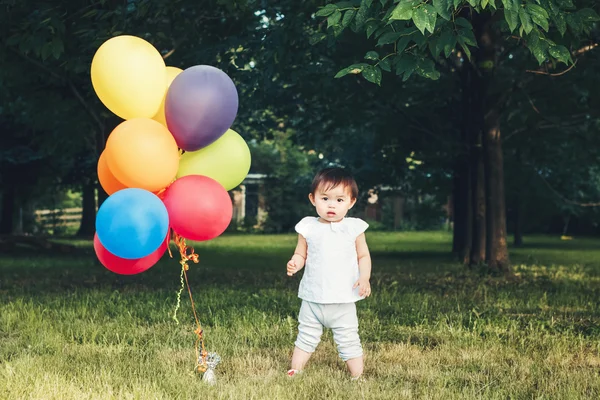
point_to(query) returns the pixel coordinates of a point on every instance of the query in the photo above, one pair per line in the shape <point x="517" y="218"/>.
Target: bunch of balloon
<point x="168" y="166"/>
<point x="175" y="144"/>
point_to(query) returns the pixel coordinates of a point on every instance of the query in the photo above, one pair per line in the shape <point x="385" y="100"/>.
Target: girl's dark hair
<point x="332" y="177"/>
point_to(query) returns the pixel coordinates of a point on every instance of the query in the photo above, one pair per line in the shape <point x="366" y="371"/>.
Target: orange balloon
<point x="142" y="153"/>
<point x="109" y="183"/>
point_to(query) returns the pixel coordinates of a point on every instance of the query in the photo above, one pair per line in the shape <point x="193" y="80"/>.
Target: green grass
<point x="69" y="329"/>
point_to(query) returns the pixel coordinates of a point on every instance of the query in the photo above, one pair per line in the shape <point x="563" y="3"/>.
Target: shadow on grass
<point x="409" y="285"/>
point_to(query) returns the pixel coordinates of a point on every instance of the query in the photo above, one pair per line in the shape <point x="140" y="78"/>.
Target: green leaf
<point x="537" y="46"/>
<point x="464" y="23"/>
<point x="419" y="39"/>
<point x="560" y="22"/>
<point x="508" y="4"/>
<point x="402" y="43"/>
<point x="561" y="53"/>
<point x="386" y="64"/>
<point x="372" y="55"/>
<point x="383" y="29"/>
<point x="13" y="40"/>
<point x="371" y="27"/>
<point x="525" y="20"/>
<point x="348" y="17"/>
<point x="46" y="51"/>
<point x="406" y="65"/>
<point x="334" y="18"/>
<point x="424" y="18"/>
<point x="574" y="22"/>
<point x="326" y="11"/>
<point x="57" y="47"/>
<point x="484" y="4"/>
<point x="403" y="11"/>
<point x="367" y="2"/>
<point x="539" y="16"/>
<point x="464" y="46"/>
<point x="447" y="43"/>
<point x="565" y="4"/>
<point x="352" y="69"/>
<point x="468" y="37"/>
<point x="372" y="74"/>
<point x="550" y="6"/>
<point x="473" y="3"/>
<point x="442" y="8"/>
<point x="426" y="68"/>
<point x="432" y="16"/>
<point x="383" y="2"/>
<point x="512" y="19"/>
<point x="317" y="37"/>
<point x="388" y="38"/>
<point x="433" y="45"/>
<point x="588" y="15"/>
<point x="361" y="17"/>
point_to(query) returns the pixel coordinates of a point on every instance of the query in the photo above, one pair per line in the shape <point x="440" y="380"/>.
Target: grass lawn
<point x="70" y="329"/>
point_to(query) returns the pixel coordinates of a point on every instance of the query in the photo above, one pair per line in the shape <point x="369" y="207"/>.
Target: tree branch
<point x="169" y="53"/>
<point x="550" y="74"/>
<point x="563" y="198"/>
<point x="67" y="82"/>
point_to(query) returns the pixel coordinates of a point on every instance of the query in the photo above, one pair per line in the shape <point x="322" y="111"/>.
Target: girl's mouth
<point x="330" y="214"/>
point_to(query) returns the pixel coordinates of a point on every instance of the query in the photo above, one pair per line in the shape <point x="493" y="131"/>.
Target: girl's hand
<point x="364" y="285"/>
<point x="291" y="267"/>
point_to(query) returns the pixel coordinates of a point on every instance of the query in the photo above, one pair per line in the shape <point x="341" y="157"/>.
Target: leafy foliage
<point x="413" y="33"/>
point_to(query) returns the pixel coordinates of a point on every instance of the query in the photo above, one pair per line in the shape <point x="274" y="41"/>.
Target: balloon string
<point x="179" y="296"/>
<point x="201" y="352"/>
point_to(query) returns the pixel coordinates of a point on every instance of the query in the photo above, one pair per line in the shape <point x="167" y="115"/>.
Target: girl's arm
<point x="364" y="266"/>
<point x="298" y="260"/>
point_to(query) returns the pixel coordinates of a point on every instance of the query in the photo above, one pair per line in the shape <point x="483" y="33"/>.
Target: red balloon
<point x="126" y="266"/>
<point x="199" y="207"/>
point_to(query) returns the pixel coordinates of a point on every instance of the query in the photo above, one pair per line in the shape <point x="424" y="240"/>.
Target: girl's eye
<point x="340" y="200"/>
<point x="324" y="198"/>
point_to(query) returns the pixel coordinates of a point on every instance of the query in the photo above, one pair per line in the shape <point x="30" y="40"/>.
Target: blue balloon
<point x="132" y="223"/>
<point x="201" y="105"/>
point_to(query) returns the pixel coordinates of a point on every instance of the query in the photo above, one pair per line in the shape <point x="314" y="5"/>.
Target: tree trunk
<point x="88" y="212"/>
<point x="481" y="232"/>
<point x="463" y="182"/>
<point x="478" y="250"/>
<point x="8" y="210"/>
<point x="102" y="195"/>
<point x="398" y="204"/>
<point x="497" y="256"/>
<point x="496" y="246"/>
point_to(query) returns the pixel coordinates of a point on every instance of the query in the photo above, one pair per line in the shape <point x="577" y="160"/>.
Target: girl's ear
<point x="352" y="203"/>
<point x="311" y="197"/>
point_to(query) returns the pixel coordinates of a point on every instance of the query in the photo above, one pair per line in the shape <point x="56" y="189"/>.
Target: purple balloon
<point x="200" y="107"/>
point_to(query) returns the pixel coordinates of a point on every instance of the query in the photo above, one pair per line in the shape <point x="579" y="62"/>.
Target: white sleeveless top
<point x="331" y="263"/>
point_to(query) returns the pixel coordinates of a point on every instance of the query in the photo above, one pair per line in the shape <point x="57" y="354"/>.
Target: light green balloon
<point x="227" y="160"/>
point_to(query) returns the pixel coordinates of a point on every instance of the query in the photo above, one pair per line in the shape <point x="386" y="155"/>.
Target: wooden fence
<point x="59" y="218"/>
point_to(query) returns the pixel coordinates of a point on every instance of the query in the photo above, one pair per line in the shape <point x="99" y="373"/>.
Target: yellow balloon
<point x="227" y="160"/>
<point x="129" y="77"/>
<point x="172" y="73"/>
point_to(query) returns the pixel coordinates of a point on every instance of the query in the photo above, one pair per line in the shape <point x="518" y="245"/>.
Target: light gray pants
<point x="340" y="318"/>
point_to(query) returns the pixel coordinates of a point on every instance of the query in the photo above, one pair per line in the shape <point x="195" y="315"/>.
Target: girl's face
<point x="332" y="203"/>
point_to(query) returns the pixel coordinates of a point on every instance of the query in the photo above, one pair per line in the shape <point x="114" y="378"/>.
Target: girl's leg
<point x="299" y="359"/>
<point x="344" y="324"/>
<point x="309" y="335"/>
<point x="355" y="366"/>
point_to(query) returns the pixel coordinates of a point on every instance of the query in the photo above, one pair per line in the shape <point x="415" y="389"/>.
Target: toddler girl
<point x="338" y="268"/>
